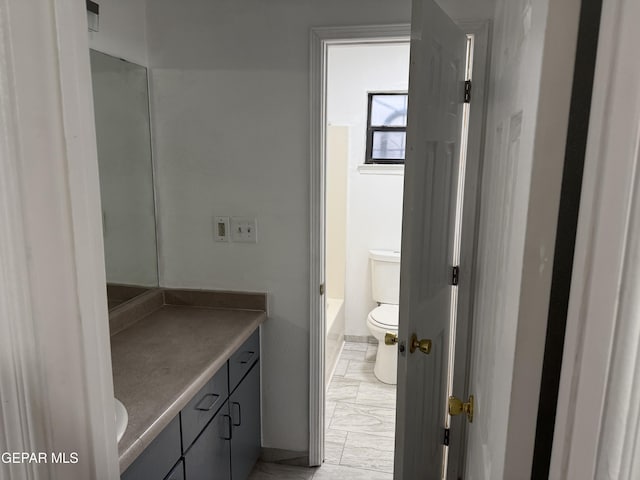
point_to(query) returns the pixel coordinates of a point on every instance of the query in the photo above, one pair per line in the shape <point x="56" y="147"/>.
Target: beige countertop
<point x="164" y="359"/>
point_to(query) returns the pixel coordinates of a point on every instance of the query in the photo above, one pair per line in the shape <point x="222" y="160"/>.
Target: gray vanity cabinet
<point x="177" y="473"/>
<point x="205" y="404"/>
<point x="209" y="456"/>
<point x="159" y="457"/>
<point x="244" y="405"/>
<point x="216" y="436"/>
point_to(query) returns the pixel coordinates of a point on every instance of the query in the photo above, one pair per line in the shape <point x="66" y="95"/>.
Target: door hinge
<point x="445" y="440"/>
<point x="322" y="289"/>
<point x="455" y="273"/>
<point x="467" y="91"/>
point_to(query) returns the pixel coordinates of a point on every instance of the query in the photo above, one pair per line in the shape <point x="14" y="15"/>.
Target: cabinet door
<point x="244" y="405"/>
<point x="208" y="457"/>
<point x="159" y="457"/>
<point x="177" y="473"/>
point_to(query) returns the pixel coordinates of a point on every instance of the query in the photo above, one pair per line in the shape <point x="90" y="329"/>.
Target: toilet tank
<point x="385" y="276"/>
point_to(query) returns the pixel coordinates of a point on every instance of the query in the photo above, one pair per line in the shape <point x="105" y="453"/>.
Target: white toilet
<point x="385" y="287"/>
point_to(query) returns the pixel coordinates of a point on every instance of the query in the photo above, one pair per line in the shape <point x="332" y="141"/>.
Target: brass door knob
<point x="423" y="345"/>
<point x="457" y="406"/>
<point x="390" y="339"/>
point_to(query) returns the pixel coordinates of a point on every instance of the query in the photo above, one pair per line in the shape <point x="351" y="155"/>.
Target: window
<point x="386" y="128"/>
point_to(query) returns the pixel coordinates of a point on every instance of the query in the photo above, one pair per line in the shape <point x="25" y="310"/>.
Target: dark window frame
<point x="369" y="160"/>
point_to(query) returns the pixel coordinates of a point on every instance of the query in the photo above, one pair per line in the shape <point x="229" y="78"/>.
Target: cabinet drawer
<point x="242" y="361"/>
<point x="158" y="458"/>
<point x="203" y="407"/>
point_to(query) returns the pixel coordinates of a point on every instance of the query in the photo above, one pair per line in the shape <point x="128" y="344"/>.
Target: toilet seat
<point x="385" y="316"/>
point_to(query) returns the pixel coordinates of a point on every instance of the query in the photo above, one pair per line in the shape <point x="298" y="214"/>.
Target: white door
<point x="436" y="96"/>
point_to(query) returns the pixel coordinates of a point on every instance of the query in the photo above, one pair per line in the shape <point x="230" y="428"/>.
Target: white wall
<point x="230" y="112"/>
<point x="122" y="31"/>
<point x="374" y="205"/>
<point x="530" y="81"/>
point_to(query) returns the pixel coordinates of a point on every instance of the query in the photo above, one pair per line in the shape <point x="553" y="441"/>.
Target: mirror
<point x="121" y="105"/>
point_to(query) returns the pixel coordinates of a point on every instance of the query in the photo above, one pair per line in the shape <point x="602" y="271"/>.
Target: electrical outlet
<point x="221" y="229"/>
<point x="244" y="229"/>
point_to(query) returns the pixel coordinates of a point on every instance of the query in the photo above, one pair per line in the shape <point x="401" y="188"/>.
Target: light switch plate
<point x="221" y="229"/>
<point x="244" y="229"/>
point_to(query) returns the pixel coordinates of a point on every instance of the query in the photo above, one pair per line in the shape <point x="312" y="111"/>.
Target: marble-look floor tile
<point x="336" y="436"/>
<point x="341" y="367"/>
<point x="354" y="355"/>
<point x="340" y="472"/>
<point x="342" y="390"/>
<point x="362" y="347"/>
<point x="377" y="394"/>
<point x="334" y="441"/>
<point x="333" y="452"/>
<point x="361" y="371"/>
<point x="370" y="354"/>
<point x="329" y="408"/>
<point x="371" y="452"/>
<point x="364" y="418"/>
<point x="275" y="471"/>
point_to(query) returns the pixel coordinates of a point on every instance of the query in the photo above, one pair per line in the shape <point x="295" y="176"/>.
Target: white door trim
<point x="597" y="428"/>
<point x="321" y="38"/>
<point x="57" y="394"/>
<point x="470" y="216"/>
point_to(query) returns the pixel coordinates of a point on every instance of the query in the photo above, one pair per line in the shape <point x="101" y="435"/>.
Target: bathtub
<point x="334" y="310"/>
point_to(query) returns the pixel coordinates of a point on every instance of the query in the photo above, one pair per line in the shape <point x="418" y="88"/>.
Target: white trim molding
<point x="380" y="169"/>
<point x="597" y="431"/>
<point x="321" y="38"/>
<point x="56" y="388"/>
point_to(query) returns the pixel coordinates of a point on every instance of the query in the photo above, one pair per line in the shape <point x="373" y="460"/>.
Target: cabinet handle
<point x="228" y="422"/>
<point x="208" y="408"/>
<point x="247" y="357"/>
<point x="236" y="404"/>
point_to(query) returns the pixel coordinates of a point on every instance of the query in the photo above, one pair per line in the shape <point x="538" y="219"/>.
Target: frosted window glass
<point x="388" y="145"/>
<point x="389" y="110"/>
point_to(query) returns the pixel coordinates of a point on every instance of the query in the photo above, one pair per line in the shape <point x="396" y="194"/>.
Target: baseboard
<point x="361" y="339"/>
<point x="286" y="457"/>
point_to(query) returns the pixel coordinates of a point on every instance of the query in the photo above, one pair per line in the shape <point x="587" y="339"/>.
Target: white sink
<point x="122" y="418"/>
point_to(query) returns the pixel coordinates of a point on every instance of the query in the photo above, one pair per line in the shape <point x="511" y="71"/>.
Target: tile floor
<point x="360" y="421"/>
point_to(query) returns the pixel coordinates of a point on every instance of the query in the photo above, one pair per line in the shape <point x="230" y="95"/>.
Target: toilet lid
<point x="386" y="315"/>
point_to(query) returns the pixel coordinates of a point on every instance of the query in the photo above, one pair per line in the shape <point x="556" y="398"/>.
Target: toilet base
<point x="386" y="367"/>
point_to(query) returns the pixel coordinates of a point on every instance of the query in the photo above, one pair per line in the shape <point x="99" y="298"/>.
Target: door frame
<point x="596" y="428"/>
<point x="321" y="39"/>
<point x="53" y="305"/>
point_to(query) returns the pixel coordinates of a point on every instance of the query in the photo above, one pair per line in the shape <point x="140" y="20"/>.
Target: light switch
<point x="221" y="229"/>
<point x="244" y="229"/>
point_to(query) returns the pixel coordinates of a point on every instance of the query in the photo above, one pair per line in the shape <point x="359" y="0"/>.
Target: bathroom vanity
<point x="186" y="366"/>
<point x="186" y="363"/>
